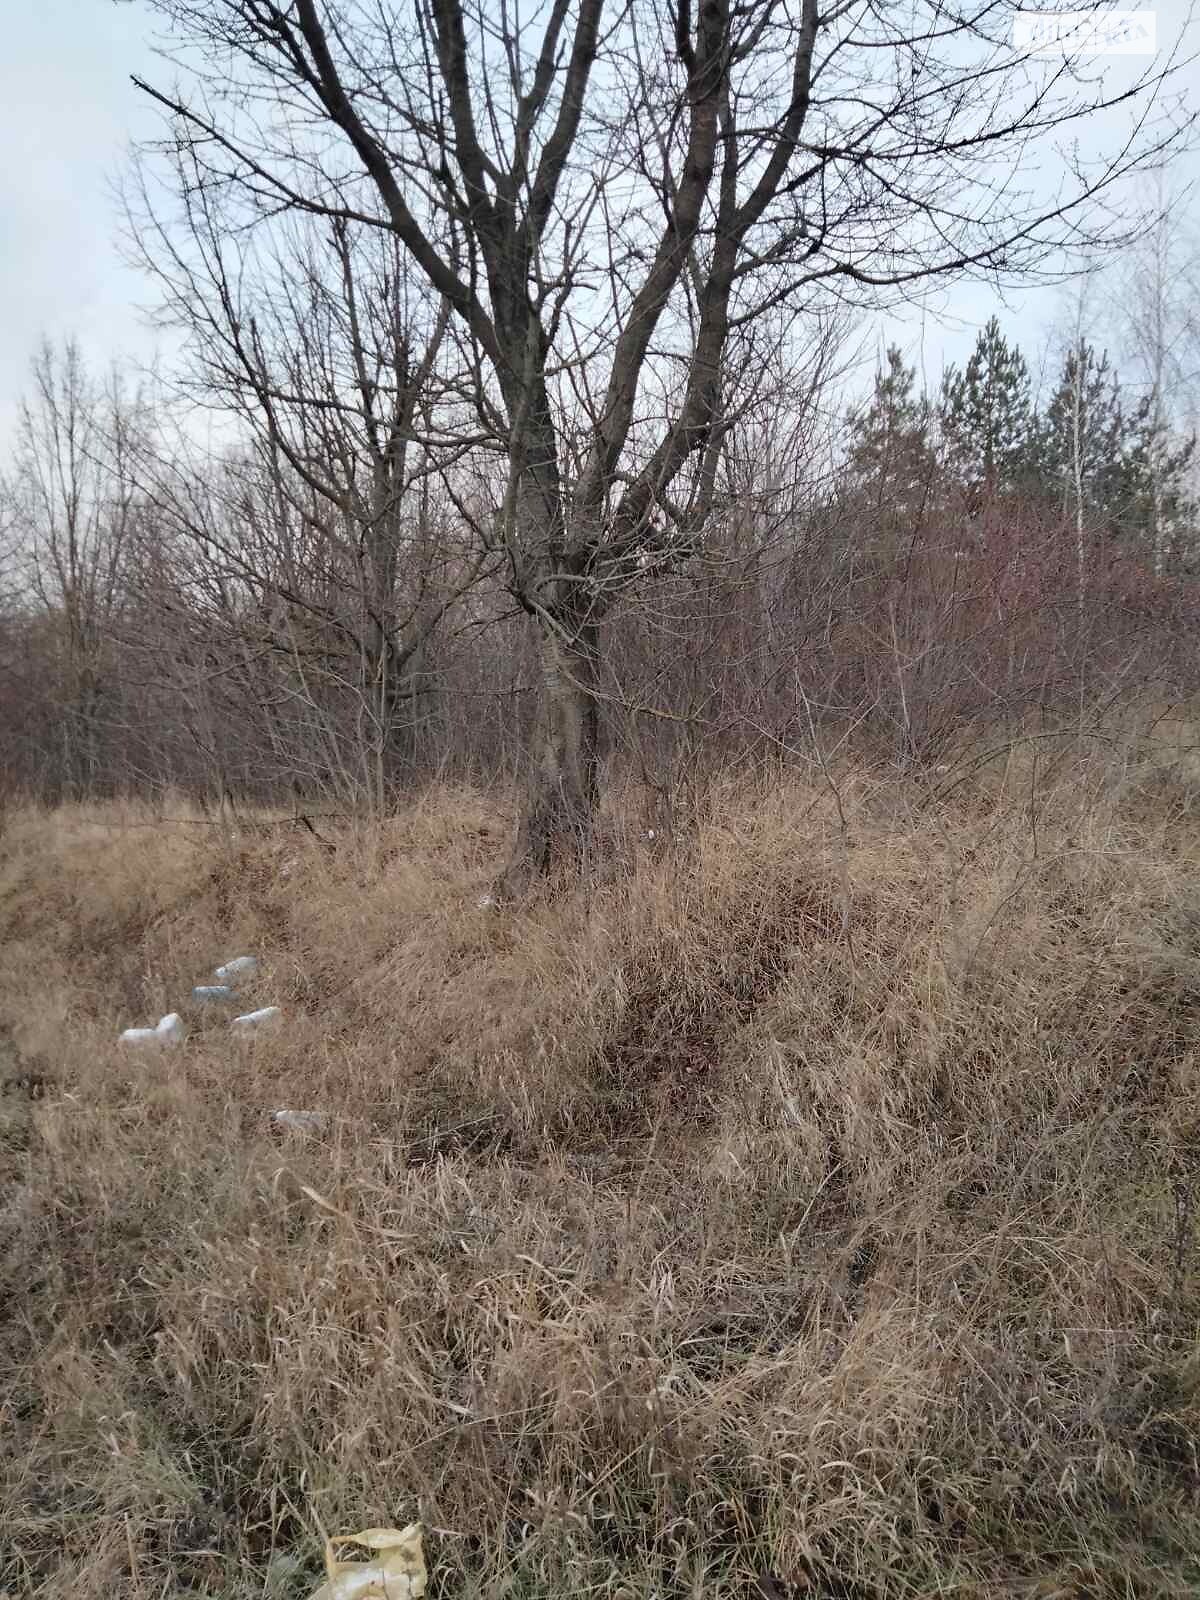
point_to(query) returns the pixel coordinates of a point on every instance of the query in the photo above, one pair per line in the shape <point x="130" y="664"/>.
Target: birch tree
<point x="1156" y="310"/>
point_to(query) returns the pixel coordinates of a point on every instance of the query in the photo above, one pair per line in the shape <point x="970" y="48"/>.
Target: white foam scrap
<point x="238" y="967"/>
<point x="256" y="1019"/>
<point x="140" y="1036"/>
<point x="299" y="1121"/>
<point x="485" y="902"/>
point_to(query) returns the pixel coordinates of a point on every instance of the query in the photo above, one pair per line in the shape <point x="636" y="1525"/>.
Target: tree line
<point x="500" y="441"/>
<point x="1096" y="454"/>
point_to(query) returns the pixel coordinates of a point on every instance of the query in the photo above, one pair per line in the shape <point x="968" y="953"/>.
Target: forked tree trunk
<point x="561" y="793"/>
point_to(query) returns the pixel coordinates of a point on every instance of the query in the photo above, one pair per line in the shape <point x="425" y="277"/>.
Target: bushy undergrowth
<point x="806" y="1209"/>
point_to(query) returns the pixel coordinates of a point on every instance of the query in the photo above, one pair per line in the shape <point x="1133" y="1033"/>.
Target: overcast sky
<point x="68" y="111"/>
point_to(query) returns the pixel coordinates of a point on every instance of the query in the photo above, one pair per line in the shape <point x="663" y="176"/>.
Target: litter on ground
<point x="395" y="1570"/>
<point x="299" y="1121"/>
<point x="257" y="1019"/>
<point x="170" y="1031"/>
<point x="237" y="969"/>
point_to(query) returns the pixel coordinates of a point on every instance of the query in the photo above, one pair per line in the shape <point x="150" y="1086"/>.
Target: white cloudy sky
<point x="68" y="111"/>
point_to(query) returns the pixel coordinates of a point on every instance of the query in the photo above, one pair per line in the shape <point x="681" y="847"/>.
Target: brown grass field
<point x="805" y="1208"/>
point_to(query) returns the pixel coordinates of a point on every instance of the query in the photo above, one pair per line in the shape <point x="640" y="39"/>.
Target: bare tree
<point x="1078" y="373"/>
<point x="312" y="338"/>
<point x="604" y="195"/>
<point x="1158" y="287"/>
<point x="76" y="509"/>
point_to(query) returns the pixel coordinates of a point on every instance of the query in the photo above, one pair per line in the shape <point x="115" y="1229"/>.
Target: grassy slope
<point x="800" y="1214"/>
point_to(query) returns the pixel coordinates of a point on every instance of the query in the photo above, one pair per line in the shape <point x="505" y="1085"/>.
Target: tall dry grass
<point x="807" y="1209"/>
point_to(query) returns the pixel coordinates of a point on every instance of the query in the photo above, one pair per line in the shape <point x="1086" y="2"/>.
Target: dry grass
<point x="802" y="1212"/>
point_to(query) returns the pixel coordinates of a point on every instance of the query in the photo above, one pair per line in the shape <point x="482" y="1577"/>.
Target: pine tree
<point x="1079" y="441"/>
<point x="1103" y="465"/>
<point x="1151" y="504"/>
<point x="987" y="418"/>
<point x="891" y="463"/>
<point x="1109" y="469"/>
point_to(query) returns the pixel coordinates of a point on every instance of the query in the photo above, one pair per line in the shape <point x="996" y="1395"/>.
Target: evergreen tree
<point x="1151" y="503"/>
<point x="891" y="463"/>
<point x="1080" y="440"/>
<point x="1105" y="467"/>
<point x="987" y="417"/>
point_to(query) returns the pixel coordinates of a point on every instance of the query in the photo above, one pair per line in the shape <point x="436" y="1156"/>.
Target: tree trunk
<point x="561" y="793"/>
<point x="401" y="694"/>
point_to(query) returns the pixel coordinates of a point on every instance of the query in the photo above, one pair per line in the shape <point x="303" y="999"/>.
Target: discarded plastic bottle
<point x="299" y="1121"/>
<point x="212" y="993"/>
<point x="170" y="1031"/>
<point x="257" y="1019"/>
<point x="237" y="970"/>
<point x="140" y="1036"/>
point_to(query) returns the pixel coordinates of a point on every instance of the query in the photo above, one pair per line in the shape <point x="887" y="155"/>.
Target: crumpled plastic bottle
<point x="394" y="1571"/>
<point x="238" y="969"/>
<point x="170" y="1031"/>
<point x="299" y="1121"/>
<point x="257" y="1019"/>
